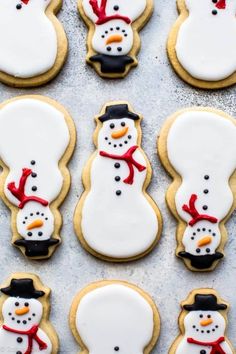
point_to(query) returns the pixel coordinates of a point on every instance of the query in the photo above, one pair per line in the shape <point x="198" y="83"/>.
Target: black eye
<point x="17" y="304"/>
<point x="123" y="124"/>
<point x="209" y="316"/>
<point x="116" y="349"/>
<point x="201" y="316"/>
<point x="112" y="125"/>
<point x="116" y="7"/>
<point x="26" y="304"/>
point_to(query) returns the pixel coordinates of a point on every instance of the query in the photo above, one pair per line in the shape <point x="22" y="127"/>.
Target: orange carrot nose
<point x="22" y="311"/>
<point x="114" y="38"/>
<point x="204" y="241"/>
<point x="35" y="224"/>
<point x="207" y="322"/>
<point x="119" y="133"/>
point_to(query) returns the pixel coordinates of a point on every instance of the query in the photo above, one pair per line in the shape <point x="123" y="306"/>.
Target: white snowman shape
<point x="202" y="149"/>
<point x="205" y="42"/>
<point x="113" y="319"/>
<point x="117" y="219"/>
<point x="204" y="331"/>
<point x="33" y="138"/>
<point x="28" y="39"/>
<point x="20" y="332"/>
<point x="113" y="34"/>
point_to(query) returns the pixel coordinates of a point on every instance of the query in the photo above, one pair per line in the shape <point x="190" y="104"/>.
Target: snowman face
<point x="35" y="222"/>
<point x="113" y="38"/>
<point x="22" y="313"/>
<point x="202" y="239"/>
<point x="204" y="325"/>
<point x="117" y="135"/>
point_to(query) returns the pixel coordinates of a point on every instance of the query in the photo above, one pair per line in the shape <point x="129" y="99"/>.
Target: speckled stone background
<point x="155" y="91"/>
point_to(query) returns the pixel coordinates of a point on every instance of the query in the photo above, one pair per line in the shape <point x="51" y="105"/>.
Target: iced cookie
<point x="37" y="138"/>
<point x="114" y="317"/>
<point x="24" y="325"/>
<point x="198" y="148"/>
<point x="113" y="40"/>
<point x="201" y="43"/>
<point x="115" y="218"/>
<point x="202" y="324"/>
<point x="33" y="44"/>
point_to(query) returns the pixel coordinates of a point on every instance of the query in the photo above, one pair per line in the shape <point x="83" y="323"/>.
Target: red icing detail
<point x="196" y="217"/>
<point x="32" y="335"/>
<point x="25" y="2"/>
<point x="100" y="12"/>
<point x="128" y="158"/>
<point x="221" y="5"/>
<point x="19" y="192"/>
<point x="216" y="348"/>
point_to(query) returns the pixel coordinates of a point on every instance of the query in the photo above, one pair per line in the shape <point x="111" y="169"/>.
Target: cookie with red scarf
<point x="197" y="146"/>
<point x="113" y="39"/>
<point x="203" y="323"/>
<point x="25" y="326"/>
<point x="115" y="218"/>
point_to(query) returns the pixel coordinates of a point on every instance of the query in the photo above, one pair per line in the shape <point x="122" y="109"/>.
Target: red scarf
<point x="216" y="348"/>
<point x="221" y="5"/>
<point x="32" y="335"/>
<point x="128" y="158"/>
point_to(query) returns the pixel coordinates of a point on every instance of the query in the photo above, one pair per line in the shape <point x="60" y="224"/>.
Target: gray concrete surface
<point x="155" y="91"/>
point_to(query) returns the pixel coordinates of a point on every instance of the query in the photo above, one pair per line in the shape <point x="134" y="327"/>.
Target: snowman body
<point x="205" y="42"/>
<point x="117" y="219"/>
<point x="34" y="137"/>
<point x="28" y="39"/>
<point x="202" y="149"/>
<point x="203" y="333"/>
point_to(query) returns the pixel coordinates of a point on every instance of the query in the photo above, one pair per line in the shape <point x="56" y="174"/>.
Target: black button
<point x="34" y="188"/>
<point x="206" y="191"/>
<point x="202" y="352"/>
<point x="117" y="165"/>
<point x="206" y="177"/>
<point x="18" y="6"/>
<point x="33" y="162"/>
<point x="205" y="207"/>
<point x="214" y="1"/>
<point x="214" y="12"/>
<point x="116" y="349"/>
<point x="116" y="7"/>
<point x="118" y="192"/>
<point x="33" y="174"/>
<point x="19" y="340"/>
<point x="19" y="352"/>
<point x="117" y="178"/>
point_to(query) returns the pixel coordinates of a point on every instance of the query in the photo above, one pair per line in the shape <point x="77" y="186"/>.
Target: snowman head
<point x="205" y="322"/>
<point x="22" y="309"/>
<point x="118" y="132"/>
<point x="114" y="319"/>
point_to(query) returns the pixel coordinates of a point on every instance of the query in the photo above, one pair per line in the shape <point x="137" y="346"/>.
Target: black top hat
<point x="23" y="288"/>
<point x="205" y="302"/>
<point x="118" y="111"/>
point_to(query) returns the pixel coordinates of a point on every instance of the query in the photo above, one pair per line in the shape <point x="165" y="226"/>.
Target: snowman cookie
<point x="197" y="147"/>
<point x="24" y="325"/>
<point x="33" y="44"/>
<point x="115" y="218"/>
<point x="203" y="323"/>
<point x="113" y="39"/>
<point x="201" y="45"/>
<point x="37" y="138"/>
<point x="114" y="317"/>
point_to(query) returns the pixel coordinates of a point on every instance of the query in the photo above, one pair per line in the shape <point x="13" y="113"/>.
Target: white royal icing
<point x="33" y="130"/>
<point x="206" y="42"/>
<point x="103" y="32"/>
<point x="8" y="340"/>
<point x="212" y="332"/>
<point x="114" y="316"/>
<point x="118" y="226"/>
<point x="200" y="144"/>
<point x="28" y="39"/>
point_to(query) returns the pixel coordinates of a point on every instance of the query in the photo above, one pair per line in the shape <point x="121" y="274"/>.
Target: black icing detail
<point x="112" y="64"/>
<point x="23" y="288"/>
<point x="118" y="111"/>
<point x="201" y="262"/>
<point x="36" y="248"/>
<point x="205" y="302"/>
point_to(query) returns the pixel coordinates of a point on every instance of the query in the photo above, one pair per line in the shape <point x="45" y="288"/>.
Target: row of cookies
<point x="200" y="45"/>
<point x="108" y="316"/>
<point x="115" y="218"/>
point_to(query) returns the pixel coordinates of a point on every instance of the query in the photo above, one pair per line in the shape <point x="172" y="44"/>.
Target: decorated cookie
<point x="113" y="39"/>
<point x="115" y="218"/>
<point x="203" y="323"/>
<point x="24" y="325"/>
<point x="114" y="317"/>
<point x="201" y="43"/>
<point x="33" y="44"/>
<point x="198" y="148"/>
<point x="37" y="138"/>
